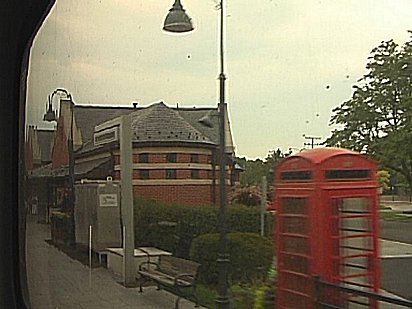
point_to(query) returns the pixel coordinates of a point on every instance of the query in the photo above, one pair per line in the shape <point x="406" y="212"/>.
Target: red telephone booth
<point x="326" y="225"/>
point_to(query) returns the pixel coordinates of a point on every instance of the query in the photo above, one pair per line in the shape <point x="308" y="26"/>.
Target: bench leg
<point x="143" y="280"/>
<point x="177" y="302"/>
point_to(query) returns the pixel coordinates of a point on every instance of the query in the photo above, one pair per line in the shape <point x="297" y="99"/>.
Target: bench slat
<point x="172" y="272"/>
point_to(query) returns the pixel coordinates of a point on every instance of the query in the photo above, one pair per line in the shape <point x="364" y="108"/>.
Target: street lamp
<point x="50" y="116"/>
<point x="177" y="21"/>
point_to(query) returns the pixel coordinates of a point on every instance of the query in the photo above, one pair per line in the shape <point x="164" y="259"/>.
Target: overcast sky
<point x="288" y="62"/>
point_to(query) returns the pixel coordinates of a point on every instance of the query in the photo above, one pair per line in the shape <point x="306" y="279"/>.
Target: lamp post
<point x="177" y="21"/>
<point x="50" y="116"/>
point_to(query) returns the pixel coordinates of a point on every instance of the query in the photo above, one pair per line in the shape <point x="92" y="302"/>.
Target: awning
<point x="80" y="169"/>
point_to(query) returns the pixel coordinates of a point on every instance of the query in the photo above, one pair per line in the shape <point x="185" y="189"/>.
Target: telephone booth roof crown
<point x="319" y="155"/>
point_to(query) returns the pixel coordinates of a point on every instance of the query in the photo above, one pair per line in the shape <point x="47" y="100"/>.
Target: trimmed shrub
<point x="173" y="227"/>
<point x="61" y="228"/>
<point x="250" y="256"/>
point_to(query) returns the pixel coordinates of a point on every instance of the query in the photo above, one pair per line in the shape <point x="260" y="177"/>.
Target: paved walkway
<point x="58" y="282"/>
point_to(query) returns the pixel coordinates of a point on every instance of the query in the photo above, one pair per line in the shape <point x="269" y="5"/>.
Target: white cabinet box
<point x="98" y="206"/>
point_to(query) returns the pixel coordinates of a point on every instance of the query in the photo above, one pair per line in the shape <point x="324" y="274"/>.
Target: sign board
<point x="106" y="136"/>
<point x="108" y="200"/>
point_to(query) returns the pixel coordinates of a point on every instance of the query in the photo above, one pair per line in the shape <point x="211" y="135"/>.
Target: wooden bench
<point x="175" y="275"/>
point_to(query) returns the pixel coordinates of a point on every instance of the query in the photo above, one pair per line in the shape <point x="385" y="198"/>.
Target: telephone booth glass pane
<point x="294" y="205"/>
<point x="294" y="252"/>
<point x="354" y="247"/>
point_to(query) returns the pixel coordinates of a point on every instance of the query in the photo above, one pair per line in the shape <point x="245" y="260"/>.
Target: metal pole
<point x="90" y="256"/>
<point x="72" y="234"/>
<point x="222" y="301"/>
<point x="126" y="177"/>
<point x="263" y="206"/>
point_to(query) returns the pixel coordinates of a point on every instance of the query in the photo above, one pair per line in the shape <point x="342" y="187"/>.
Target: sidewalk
<point x="58" y="282"/>
<point x="395" y="249"/>
<point x="396" y="205"/>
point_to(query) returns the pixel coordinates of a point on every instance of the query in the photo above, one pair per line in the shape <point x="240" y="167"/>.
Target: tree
<point x="272" y="160"/>
<point x="250" y="191"/>
<point x="377" y="119"/>
<point x="384" y="179"/>
<point x="254" y="170"/>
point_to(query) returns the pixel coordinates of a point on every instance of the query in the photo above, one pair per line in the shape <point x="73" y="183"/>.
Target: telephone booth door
<point x="354" y="246"/>
<point x="295" y="286"/>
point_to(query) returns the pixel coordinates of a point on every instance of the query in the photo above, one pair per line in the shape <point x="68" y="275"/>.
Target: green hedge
<point x="173" y="227"/>
<point x="61" y="228"/>
<point x="250" y="256"/>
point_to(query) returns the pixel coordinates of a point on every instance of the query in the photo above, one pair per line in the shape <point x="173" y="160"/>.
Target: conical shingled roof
<point x="159" y="123"/>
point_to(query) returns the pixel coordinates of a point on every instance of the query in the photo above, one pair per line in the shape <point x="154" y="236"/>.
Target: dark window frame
<point x="195" y="174"/>
<point x="171" y="157"/>
<point x="194" y="158"/>
<point x="144" y="174"/>
<point x="143" y="158"/>
<point x="305" y="175"/>
<point x="171" y="174"/>
<point x="345" y="174"/>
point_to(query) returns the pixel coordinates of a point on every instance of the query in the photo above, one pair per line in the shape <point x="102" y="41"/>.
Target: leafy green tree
<point x="377" y="119"/>
<point x="250" y="191"/>
<point x="254" y="170"/>
<point x="273" y="158"/>
<point x="384" y="179"/>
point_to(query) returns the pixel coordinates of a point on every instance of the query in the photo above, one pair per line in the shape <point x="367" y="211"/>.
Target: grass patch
<point x="242" y="296"/>
<point x="390" y="215"/>
<point x="206" y="296"/>
<point x="384" y="207"/>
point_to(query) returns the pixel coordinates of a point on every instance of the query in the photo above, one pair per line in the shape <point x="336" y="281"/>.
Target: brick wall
<point x="191" y="194"/>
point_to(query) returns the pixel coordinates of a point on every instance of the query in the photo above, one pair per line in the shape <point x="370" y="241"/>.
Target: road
<point x="396" y="272"/>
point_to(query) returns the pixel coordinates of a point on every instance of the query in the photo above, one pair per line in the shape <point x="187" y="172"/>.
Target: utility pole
<point x="312" y="139"/>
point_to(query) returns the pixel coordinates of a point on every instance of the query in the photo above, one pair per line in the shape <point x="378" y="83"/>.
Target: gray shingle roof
<point x="159" y="123"/>
<point x="174" y="124"/>
<point x="87" y="117"/>
<point x="205" y="120"/>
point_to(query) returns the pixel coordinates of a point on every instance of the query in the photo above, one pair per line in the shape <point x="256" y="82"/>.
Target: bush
<point x="242" y="297"/>
<point x="250" y="257"/>
<point x="172" y="227"/>
<point x="61" y="228"/>
<point x="248" y="195"/>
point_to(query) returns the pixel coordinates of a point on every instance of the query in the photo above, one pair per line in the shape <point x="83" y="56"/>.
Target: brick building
<point x="175" y="150"/>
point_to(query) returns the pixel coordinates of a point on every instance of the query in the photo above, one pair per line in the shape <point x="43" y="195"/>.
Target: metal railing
<point x="373" y="297"/>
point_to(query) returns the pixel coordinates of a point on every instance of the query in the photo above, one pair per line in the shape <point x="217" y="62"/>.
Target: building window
<point x="195" y="174"/>
<point x="144" y="158"/>
<point x="171" y="174"/>
<point x="194" y="158"/>
<point x="144" y="174"/>
<point x="171" y="157"/>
